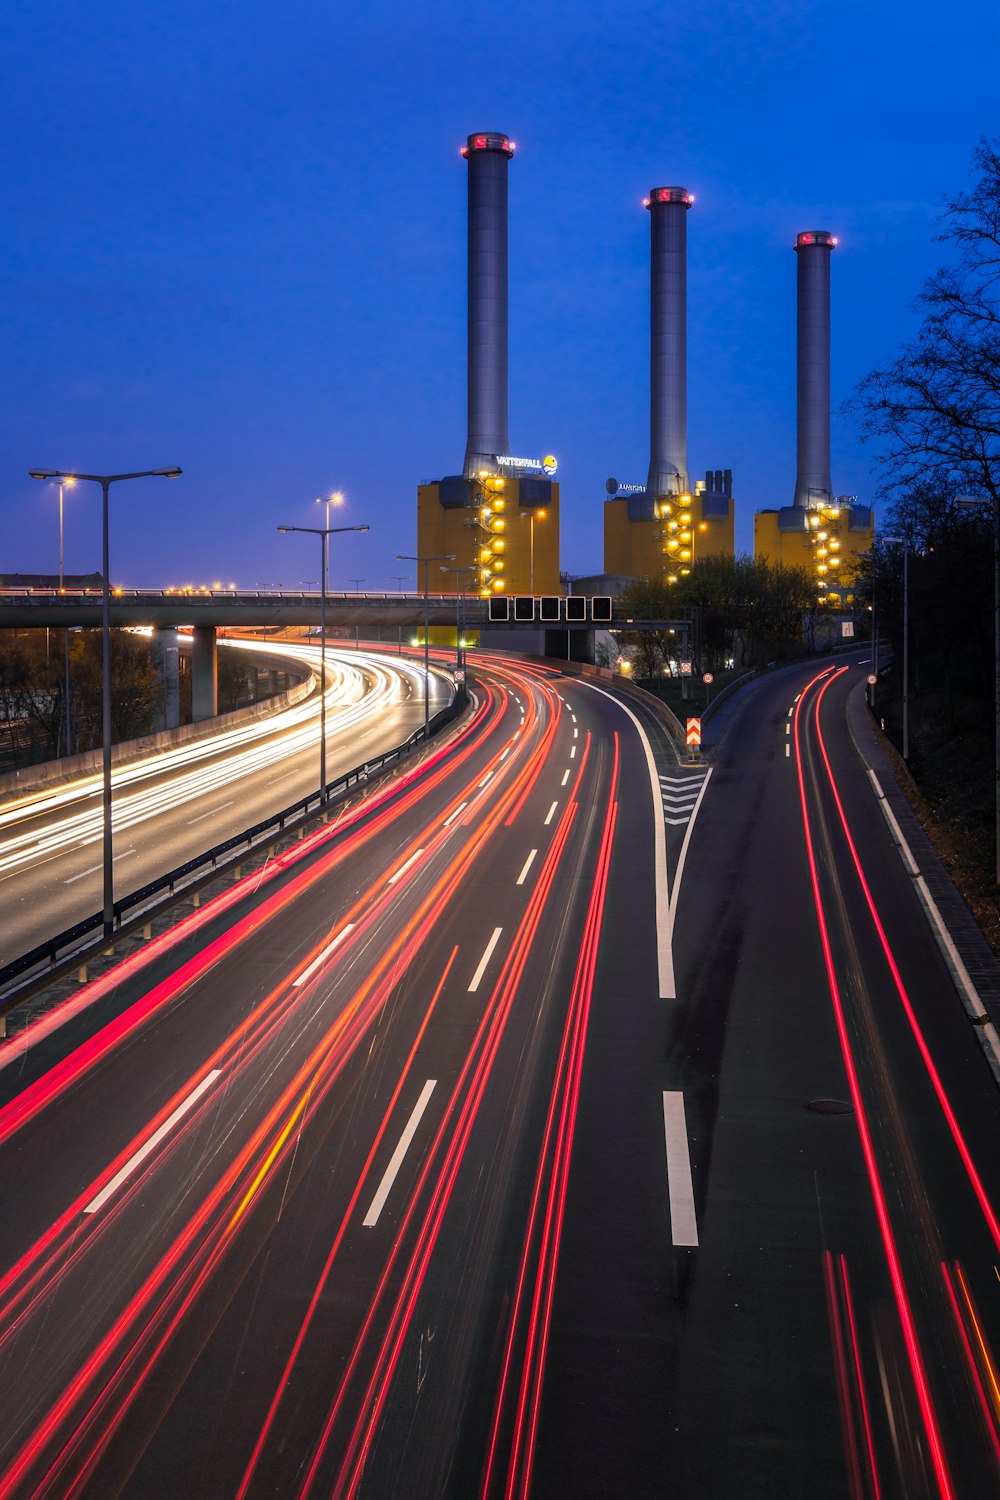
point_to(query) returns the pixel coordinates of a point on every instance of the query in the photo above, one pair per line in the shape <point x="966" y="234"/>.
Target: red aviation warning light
<point x="489" y="141"/>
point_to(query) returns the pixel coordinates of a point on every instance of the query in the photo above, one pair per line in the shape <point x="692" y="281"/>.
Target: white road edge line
<point x="477" y="976"/>
<point x="454" y="815"/>
<point x="664" y="949"/>
<point x="322" y="957"/>
<point x="683" y="1221"/>
<point x="396" y="1161"/>
<point x="550" y="814"/>
<point x="403" y="868"/>
<point x="952" y="957"/>
<point x="527" y="866"/>
<point x="139" y="1157"/>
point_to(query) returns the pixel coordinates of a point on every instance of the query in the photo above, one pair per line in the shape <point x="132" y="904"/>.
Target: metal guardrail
<point x="66" y="950"/>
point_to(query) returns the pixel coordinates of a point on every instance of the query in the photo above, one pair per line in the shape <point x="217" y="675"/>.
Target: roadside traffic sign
<point x="872" y="679"/>
<point x="685" y="669"/>
<point x="694" y="732"/>
<point x="708" y="677"/>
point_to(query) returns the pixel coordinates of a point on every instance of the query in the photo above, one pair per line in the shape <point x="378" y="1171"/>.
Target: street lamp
<point x="531" y="518"/>
<point x="105" y="481"/>
<point x="324" y="533"/>
<point x="334" y="498"/>
<point x="64" y="484"/>
<point x="441" y="557"/>
<point x="459" y="607"/>
<point x="900" y="541"/>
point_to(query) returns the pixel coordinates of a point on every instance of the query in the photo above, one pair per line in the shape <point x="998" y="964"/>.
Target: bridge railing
<point x="74" y="946"/>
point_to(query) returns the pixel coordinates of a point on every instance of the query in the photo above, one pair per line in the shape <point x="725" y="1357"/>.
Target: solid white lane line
<point x="202" y="816"/>
<point x="683" y="854"/>
<point x="572" y="752"/>
<point x="94" y="868"/>
<point x="664" y="926"/>
<point x="392" y="1170"/>
<point x="322" y="957"/>
<point x="565" y="778"/>
<point x="455" y="814"/>
<point x="485" y="780"/>
<point x="549" y="815"/>
<point x="154" y="1140"/>
<point x="477" y="976"/>
<point x="527" y="867"/>
<point x="683" y="1223"/>
<point x="403" y="868"/>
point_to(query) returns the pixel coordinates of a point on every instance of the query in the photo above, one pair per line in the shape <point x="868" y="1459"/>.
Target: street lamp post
<point x="106" y="481"/>
<point x="335" y="498"/>
<point x="441" y="557"/>
<point x="459" y="608"/>
<point x="900" y="541"/>
<point x="531" y="518"/>
<point x="400" y="578"/>
<point x="324" y="533"/>
<point x="64" y="484"/>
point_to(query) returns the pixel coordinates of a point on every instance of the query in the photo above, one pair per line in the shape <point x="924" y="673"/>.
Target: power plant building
<point x="499" y="518"/>
<point x="819" y="531"/>
<point x="658" y="532"/>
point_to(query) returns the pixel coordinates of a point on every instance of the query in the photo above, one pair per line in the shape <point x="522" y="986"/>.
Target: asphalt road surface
<point x="563" y="1120"/>
<point x="170" y="806"/>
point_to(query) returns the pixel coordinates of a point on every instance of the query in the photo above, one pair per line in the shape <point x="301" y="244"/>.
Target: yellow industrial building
<point x="661" y="540"/>
<point x="502" y="530"/>
<point x="827" y="539"/>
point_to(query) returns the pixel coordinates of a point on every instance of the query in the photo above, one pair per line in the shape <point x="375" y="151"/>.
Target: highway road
<point x="172" y="805"/>
<point x="563" y="1120"/>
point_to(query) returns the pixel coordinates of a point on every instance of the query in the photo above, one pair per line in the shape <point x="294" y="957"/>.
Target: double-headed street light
<point x="324" y="533"/>
<point x="105" y="481"/>
<point x="440" y="558"/>
<point x="64" y="484"/>
<point x="336" y="498"/>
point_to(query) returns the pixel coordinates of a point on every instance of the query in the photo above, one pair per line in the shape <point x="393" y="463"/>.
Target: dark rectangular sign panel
<point x="548" y="609"/>
<point x="524" y="607"/>
<point x="576" y="609"/>
<point x="600" y="609"/>
<point x="499" y="609"/>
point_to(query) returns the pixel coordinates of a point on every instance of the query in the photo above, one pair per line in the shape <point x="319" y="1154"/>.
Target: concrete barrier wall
<point x="89" y="762"/>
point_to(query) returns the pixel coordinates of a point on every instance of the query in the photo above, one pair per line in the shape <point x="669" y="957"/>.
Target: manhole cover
<point x="830" y="1107"/>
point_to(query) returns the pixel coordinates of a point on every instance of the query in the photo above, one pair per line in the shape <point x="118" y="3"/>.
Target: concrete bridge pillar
<point x="166" y="661"/>
<point x="204" y="674"/>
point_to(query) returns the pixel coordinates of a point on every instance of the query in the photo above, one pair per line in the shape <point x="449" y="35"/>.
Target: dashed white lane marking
<point x="683" y="1222"/>
<point x="451" y="818"/>
<point x="506" y="753"/>
<point x="477" y="976"/>
<point x="403" y="868"/>
<point x="572" y="752"/>
<point x="396" y="1161"/>
<point x="565" y="777"/>
<point x="527" y="866"/>
<point x="550" y="814"/>
<point x="575" y="733"/>
<point x="139" y="1156"/>
<point x="788" y="752"/>
<point x="788" y="728"/>
<point x="202" y="816"/>
<point x="486" y="780"/>
<point x="94" y="868"/>
<point x="322" y="957"/>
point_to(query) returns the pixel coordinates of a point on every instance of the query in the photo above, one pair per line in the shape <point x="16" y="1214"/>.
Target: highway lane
<point x="371" y="1179"/>
<point x="839" y="1320"/>
<point x="170" y="806"/>
<point x="335" y="1269"/>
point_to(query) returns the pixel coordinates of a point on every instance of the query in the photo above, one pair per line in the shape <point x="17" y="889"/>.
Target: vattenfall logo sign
<point x="546" y="465"/>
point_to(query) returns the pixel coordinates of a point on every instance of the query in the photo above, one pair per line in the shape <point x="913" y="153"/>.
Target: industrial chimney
<point x="668" y="475"/>
<point x="487" y="155"/>
<point x="812" y="479"/>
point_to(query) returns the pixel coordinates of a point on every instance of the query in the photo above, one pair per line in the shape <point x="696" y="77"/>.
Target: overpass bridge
<point x="559" y="626"/>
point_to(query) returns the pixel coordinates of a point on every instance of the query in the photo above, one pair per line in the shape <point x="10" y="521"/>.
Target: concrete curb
<point x="970" y="960"/>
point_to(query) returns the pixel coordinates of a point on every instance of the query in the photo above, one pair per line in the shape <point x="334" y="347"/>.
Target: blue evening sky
<point x="234" y="240"/>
